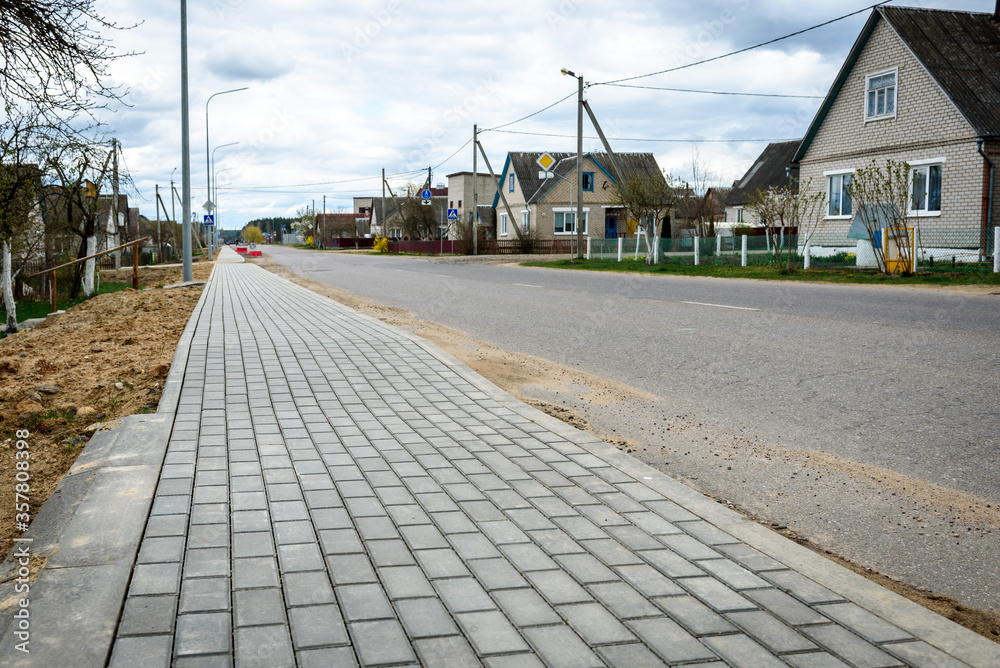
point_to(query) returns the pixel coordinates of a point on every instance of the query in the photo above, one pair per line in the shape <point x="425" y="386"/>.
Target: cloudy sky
<point x="338" y="91"/>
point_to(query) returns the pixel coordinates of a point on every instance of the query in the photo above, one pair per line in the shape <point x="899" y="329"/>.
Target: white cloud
<point x="339" y="91"/>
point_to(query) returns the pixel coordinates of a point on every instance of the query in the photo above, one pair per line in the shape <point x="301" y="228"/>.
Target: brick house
<point x="920" y="86"/>
<point x="548" y="205"/>
<point x="773" y="168"/>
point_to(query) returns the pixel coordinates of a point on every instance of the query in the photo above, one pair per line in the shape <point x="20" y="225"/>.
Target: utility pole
<point x="114" y="195"/>
<point x="579" y="170"/>
<point x="475" y="190"/>
<point x="188" y="274"/>
<point x="382" y="204"/>
<point x="324" y="215"/>
<point x="159" y="237"/>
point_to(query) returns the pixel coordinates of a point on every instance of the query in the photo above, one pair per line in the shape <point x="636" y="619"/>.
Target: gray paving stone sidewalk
<point x="336" y="492"/>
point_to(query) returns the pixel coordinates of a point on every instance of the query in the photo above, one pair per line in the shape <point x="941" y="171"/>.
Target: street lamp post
<point x="215" y="183"/>
<point x="213" y="195"/>
<point x="579" y="161"/>
<point x="555" y="173"/>
<point x="208" y="166"/>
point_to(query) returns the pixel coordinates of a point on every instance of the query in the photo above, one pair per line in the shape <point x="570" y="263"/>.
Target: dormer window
<point x="880" y="95"/>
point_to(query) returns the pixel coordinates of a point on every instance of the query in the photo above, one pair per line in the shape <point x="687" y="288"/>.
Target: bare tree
<point x="647" y="199"/>
<point x="21" y="135"/>
<point x="706" y="210"/>
<point x="881" y="198"/>
<point x="54" y="59"/>
<point x="779" y="209"/>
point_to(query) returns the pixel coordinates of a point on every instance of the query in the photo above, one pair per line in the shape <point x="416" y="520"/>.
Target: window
<point x="459" y="204"/>
<point x="510" y="188"/>
<point x="925" y="189"/>
<point x="880" y="95"/>
<point x="503" y="224"/>
<point x="838" y="194"/>
<point x="525" y="221"/>
<point x="588" y="181"/>
<point x="565" y="222"/>
<point x="739" y="214"/>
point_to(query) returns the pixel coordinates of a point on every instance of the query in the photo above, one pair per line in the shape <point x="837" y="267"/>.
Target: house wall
<point x="927" y="126"/>
<point x="558" y="197"/>
<point x="460" y="193"/>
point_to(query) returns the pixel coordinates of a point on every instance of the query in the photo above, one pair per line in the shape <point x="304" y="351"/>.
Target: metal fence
<point x="937" y="250"/>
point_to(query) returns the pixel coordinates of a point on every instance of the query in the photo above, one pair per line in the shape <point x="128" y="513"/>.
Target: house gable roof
<point x="770" y="169"/>
<point x="525" y="168"/>
<point x="959" y="50"/>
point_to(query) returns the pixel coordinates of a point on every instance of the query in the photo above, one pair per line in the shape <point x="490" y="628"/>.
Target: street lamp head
<point x="568" y="73"/>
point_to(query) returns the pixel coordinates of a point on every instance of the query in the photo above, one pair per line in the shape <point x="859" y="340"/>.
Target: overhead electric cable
<point x="744" y="50"/>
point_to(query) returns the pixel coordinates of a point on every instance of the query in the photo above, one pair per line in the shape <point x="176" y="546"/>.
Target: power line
<point x="744" y="50"/>
<point x="494" y="129"/>
<point x="715" y="92"/>
<point x="669" y="141"/>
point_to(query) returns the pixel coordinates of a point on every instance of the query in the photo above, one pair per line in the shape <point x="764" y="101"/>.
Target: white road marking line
<point x="528" y="285"/>
<point x="738" y="308"/>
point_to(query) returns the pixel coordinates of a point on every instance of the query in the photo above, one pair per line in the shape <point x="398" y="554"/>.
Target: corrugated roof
<point x="960" y="51"/>
<point x="526" y="169"/>
<point x="770" y="169"/>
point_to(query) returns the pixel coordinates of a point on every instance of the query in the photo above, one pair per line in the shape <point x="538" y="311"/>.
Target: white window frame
<point x="895" y="95"/>
<point x="564" y="211"/>
<point x="921" y="165"/>
<point x="503" y="224"/>
<point x="827" y="176"/>
<point x="525" y="220"/>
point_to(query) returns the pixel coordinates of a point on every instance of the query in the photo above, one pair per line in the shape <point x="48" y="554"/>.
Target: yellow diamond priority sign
<point x="546" y="161"/>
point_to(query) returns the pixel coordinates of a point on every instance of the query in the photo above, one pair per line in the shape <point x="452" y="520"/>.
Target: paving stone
<point x="527" y="557"/>
<point x="559" y="647"/>
<point x="204" y="595"/>
<point x="452" y="651"/>
<point x="558" y="587"/>
<point x="770" y="632"/>
<point x="147" y="615"/>
<point x="497" y="574"/>
<point x="363" y="602"/>
<point x="525" y="607"/>
<point x="253" y="544"/>
<point x="786" y="608"/>
<point x="151" y="651"/>
<point x="491" y="633"/>
<point x="475" y="546"/>
<point x="264" y="647"/>
<point x="801" y="587"/>
<point x="750" y="558"/>
<point x="405" y="582"/>
<point x="300" y="557"/>
<point x="317" y="626"/>
<point x="694" y="615"/>
<point x="629" y="656"/>
<point x="351" y="569"/>
<point x="207" y="535"/>
<point x="815" y="660"/>
<point x="648" y="580"/>
<point x="732" y="574"/>
<point x="425" y="617"/>
<point x="922" y="655"/>
<point x="865" y="624"/>
<point x="595" y="624"/>
<point x="203" y="633"/>
<point x="381" y="642"/>
<point x="255" y="607"/>
<point x="286" y="533"/>
<point x="255" y="572"/>
<point x="715" y="594"/>
<point x="390" y="553"/>
<point x="151" y="579"/>
<point x="742" y="652"/>
<point x="624" y="601"/>
<point x="849" y="647"/>
<point x="463" y="595"/>
<point x="311" y="588"/>
<point x="669" y="640"/>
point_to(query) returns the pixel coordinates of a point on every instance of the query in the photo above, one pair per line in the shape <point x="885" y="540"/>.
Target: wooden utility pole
<point x="114" y="196"/>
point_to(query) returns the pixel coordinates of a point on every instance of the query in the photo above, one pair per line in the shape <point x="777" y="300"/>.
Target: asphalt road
<point x="747" y="372"/>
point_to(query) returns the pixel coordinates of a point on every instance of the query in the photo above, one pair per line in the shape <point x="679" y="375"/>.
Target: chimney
<point x="996" y="13"/>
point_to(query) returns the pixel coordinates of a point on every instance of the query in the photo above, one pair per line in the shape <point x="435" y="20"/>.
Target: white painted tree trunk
<point x="8" y="291"/>
<point x="89" y="266"/>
